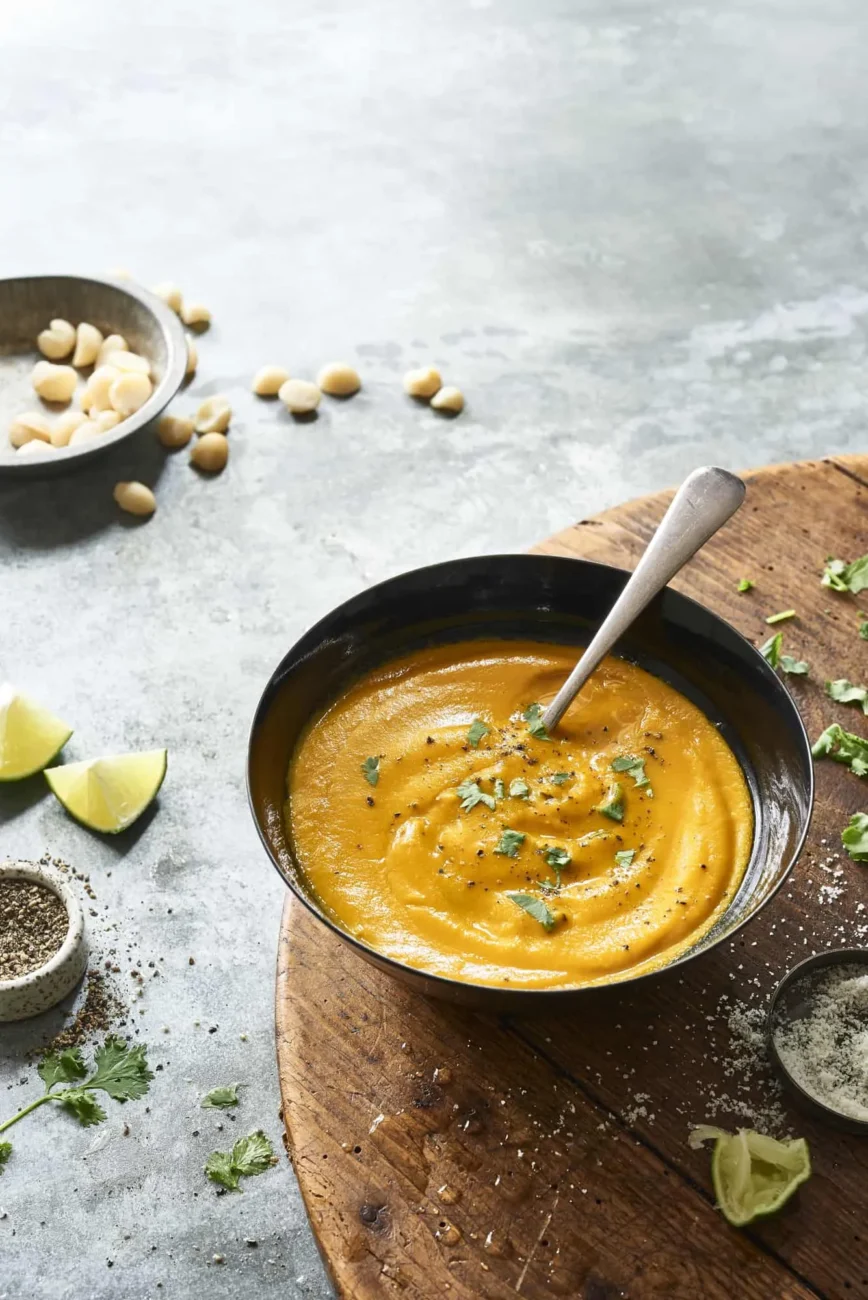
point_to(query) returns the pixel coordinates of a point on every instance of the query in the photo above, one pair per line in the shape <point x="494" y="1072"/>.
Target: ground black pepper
<point x="33" y="926"/>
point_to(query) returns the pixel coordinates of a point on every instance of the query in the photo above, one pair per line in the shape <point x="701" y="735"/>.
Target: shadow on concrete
<point x="16" y="797"/>
<point x="43" y="513"/>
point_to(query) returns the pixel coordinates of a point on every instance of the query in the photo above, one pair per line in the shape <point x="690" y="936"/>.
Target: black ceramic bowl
<point x="552" y="599"/>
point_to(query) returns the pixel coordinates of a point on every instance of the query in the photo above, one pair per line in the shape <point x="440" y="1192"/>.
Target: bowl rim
<point x="50" y="878"/>
<point x="452" y="988"/>
<point x="817" y="961"/>
<point x="176" y="368"/>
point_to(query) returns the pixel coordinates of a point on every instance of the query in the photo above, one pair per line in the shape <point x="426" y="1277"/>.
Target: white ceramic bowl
<point x="42" y="988"/>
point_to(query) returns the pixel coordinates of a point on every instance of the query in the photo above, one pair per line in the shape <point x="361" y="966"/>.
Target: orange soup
<point x="436" y="821"/>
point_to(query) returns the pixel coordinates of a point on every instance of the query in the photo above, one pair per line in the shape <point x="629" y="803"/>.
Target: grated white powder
<point x="826" y="1049"/>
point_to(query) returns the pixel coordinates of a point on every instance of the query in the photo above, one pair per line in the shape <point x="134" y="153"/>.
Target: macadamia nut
<point x="210" y="453"/>
<point x="170" y="294"/>
<point x="195" y="314"/>
<point x="29" y="426"/>
<point x="96" y="391"/>
<point x="175" y="431"/>
<point x="129" y="392"/>
<point x="339" y="379"/>
<point x="88" y="341"/>
<point x="57" y="341"/>
<point x="113" y="343"/>
<point x="448" y="399"/>
<point x="135" y="498"/>
<point x="422" y="383"/>
<point x="129" y="361"/>
<point x="300" y="396"/>
<point x="213" y="415"/>
<point x="192" y="357"/>
<point x="54" y="383"/>
<point x="65" y="426"/>
<point x="267" y="381"/>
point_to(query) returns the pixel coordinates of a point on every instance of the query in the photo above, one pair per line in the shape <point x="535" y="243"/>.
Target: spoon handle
<point x="705" y="500"/>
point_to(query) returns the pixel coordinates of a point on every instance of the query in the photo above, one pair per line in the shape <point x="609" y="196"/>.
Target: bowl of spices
<point x="818" y="1036"/>
<point x="43" y="949"/>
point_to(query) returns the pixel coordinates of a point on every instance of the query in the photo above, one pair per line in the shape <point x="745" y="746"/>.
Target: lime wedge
<point x="755" y="1175"/>
<point x="30" y="736"/>
<point x="108" y="794"/>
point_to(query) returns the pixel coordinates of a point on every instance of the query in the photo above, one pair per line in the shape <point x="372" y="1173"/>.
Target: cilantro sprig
<point x="634" y="767"/>
<point x="773" y="654"/>
<point x="478" y="729"/>
<point x="846" y="693"/>
<point x="536" y="908"/>
<point x="854" y="837"/>
<point x="745" y="584"/>
<point x="371" y="769"/>
<point x="613" y="804"/>
<point x="841" y="576"/>
<point x="250" y="1155"/>
<point x="509" y="844"/>
<point x="470" y="795"/>
<point x="844" y="747"/>
<point x="118" y="1070"/>
<point x="558" y="860"/>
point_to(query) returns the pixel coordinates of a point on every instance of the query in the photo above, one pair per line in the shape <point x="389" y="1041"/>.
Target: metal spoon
<point x="705" y="500"/>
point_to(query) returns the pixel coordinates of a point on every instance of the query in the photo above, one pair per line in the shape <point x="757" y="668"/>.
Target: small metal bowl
<point x="27" y="305"/>
<point x="785" y="1004"/>
<point x="39" y="989"/>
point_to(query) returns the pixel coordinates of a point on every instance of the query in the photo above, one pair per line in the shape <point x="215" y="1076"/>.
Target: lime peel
<point x="109" y="794"/>
<point x="753" y="1175"/>
<point x="30" y="736"/>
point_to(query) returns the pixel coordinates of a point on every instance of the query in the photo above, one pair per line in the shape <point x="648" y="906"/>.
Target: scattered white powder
<point x="826" y="1050"/>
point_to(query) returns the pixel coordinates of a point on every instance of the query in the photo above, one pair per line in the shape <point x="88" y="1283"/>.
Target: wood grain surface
<point x="442" y="1153"/>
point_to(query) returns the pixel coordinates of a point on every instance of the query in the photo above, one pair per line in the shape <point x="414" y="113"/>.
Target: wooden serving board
<point x="442" y="1153"/>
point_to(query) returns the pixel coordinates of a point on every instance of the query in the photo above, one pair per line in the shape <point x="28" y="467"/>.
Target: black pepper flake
<point x="370" y="801"/>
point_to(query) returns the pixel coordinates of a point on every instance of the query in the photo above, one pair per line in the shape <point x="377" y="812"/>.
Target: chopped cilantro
<point x="5" y="1153"/>
<point x="788" y="664"/>
<point x="534" y="907"/>
<point x="613" y="805"/>
<point x="509" y="844"/>
<point x="841" y="576"/>
<point x="782" y="617"/>
<point x="558" y="860"/>
<point x="477" y="730"/>
<point x="634" y="767"/>
<point x="371" y="770"/>
<point x="745" y="584"/>
<point x="221" y="1097"/>
<point x="846" y="693"/>
<point x="854" y="837"/>
<point x="844" y="747"/>
<point x="771" y="651"/>
<point x="470" y="795"/>
<point x="535" y="725"/>
<point x="518" y="789"/>
<point x="560" y="777"/>
<point x="625" y="857"/>
<point x="250" y="1155"/>
<point x="863" y="631"/>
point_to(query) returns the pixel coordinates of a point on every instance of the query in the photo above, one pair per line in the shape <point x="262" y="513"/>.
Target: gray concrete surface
<point x="633" y="232"/>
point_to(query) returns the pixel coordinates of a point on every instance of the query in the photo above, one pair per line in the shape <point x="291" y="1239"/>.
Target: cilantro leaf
<point x="534" y="907"/>
<point x="558" y="860"/>
<point x="613" y="805"/>
<point x="121" y="1071"/>
<point x="846" y="693"/>
<point x="250" y="1155"/>
<point x="510" y="843"/>
<point x="624" y="857"/>
<point x="62" y="1067"/>
<point x="81" y="1103"/>
<point x="745" y="584"/>
<point x="841" y="576"/>
<point x="470" y="795"/>
<point x="634" y="767"/>
<point x="855" y="837"/>
<point x="518" y="789"/>
<point x="782" y="617"/>
<point x="560" y="778"/>
<point x="477" y="730"/>
<point x="220" y="1169"/>
<point x="226" y="1095"/>
<point x="863" y="631"/>
<point x="771" y="651"/>
<point x="535" y="725"/>
<point x="788" y="664"/>
<point x="253" y="1154"/>
<point x="844" y="747"/>
<point x="5" y="1153"/>
<point x="371" y="770"/>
